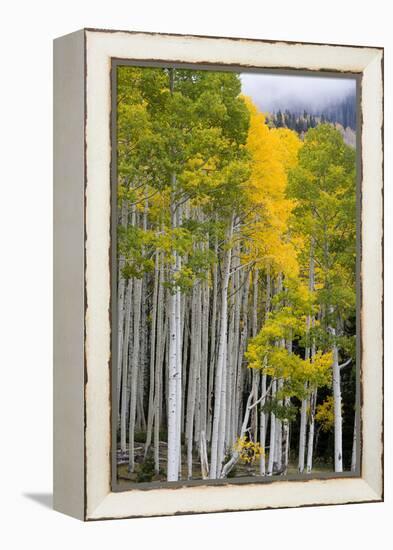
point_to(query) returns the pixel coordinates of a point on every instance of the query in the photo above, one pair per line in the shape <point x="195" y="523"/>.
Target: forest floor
<point x="144" y="470"/>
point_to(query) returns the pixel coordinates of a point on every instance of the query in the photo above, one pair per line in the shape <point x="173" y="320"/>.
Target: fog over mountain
<point x="315" y="94"/>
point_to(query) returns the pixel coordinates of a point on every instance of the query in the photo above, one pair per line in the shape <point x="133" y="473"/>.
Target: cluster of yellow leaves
<point x="325" y="414"/>
<point x="249" y="451"/>
<point x="278" y="362"/>
<point x="273" y="153"/>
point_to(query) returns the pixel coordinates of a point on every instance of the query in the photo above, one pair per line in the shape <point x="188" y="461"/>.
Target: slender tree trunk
<point x="204" y="355"/>
<point x="272" y="433"/>
<point x="212" y="357"/>
<point x="241" y="350"/>
<point x="186" y="346"/>
<point x="219" y="386"/>
<point x="174" y="361"/>
<point x="286" y="426"/>
<point x="192" y="377"/>
<point x="305" y="402"/>
<point x="254" y="331"/>
<point x="303" y="413"/>
<point x="140" y="411"/>
<point x="311" y="431"/>
<point x="338" y="459"/>
<point x="278" y="433"/>
<point x="231" y="364"/>
<point x="262" y="429"/>
<point x="121" y="299"/>
<point x="203" y="455"/>
<point x="234" y="403"/>
<point x="223" y="417"/>
<point x="303" y="432"/>
<point x="153" y="335"/>
<point x="134" y="371"/>
<point x="178" y="372"/>
<point x="172" y="474"/>
<point x="158" y="385"/>
<point x="124" y="381"/>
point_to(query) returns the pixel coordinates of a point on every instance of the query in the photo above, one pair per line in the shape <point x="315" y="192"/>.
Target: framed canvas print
<point x="218" y="274"/>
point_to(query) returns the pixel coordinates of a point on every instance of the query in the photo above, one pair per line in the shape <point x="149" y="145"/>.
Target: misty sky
<point x="272" y="92"/>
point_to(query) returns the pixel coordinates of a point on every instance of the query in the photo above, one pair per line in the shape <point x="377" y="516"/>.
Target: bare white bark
<point x="262" y="428"/>
<point x="263" y="421"/>
<point x="121" y="305"/>
<point x="134" y="372"/>
<point x="204" y="356"/>
<point x="254" y="331"/>
<point x="212" y="355"/>
<point x="305" y="402"/>
<point x="203" y="455"/>
<point x="338" y="458"/>
<point x="302" y="432"/>
<point x="172" y="473"/>
<point x="193" y="373"/>
<point x="153" y="332"/>
<point x="178" y="373"/>
<point x="311" y="431"/>
<point x="124" y="379"/>
<point x="220" y="366"/>
<point x="222" y="426"/>
<point x="272" y="434"/>
<point x="161" y="331"/>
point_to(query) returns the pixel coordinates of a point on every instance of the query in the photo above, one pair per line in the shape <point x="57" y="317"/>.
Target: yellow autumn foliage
<point x="273" y="153"/>
<point x="249" y="451"/>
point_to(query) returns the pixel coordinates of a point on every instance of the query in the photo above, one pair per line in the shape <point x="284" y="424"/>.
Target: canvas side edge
<point x="68" y="243"/>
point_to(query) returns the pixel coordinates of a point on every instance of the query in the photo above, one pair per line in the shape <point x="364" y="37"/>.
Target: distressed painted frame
<point x="82" y="240"/>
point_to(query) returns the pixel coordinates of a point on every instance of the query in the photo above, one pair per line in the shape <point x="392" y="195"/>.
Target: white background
<point x="26" y="274"/>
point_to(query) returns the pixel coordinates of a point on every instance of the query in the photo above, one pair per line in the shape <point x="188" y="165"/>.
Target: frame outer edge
<point x="69" y="278"/>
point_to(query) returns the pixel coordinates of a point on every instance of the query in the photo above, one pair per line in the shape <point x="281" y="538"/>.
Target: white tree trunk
<point x="338" y="458"/>
<point x="150" y="411"/>
<point x="254" y="331"/>
<point x="263" y="421"/>
<point x="203" y="455"/>
<point x="212" y="356"/>
<point x="220" y="366"/>
<point x="303" y="411"/>
<point x="302" y="433"/>
<point x="262" y="428"/>
<point x="173" y="471"/>
<point x="192" y="376"/>
<point x="124" y="380"/>
<point x="121" y="308"/>
<point x="134" y="371"/>
<point x="161" y="332"/>
<point x="178" y="375"/>
<point x="204" y="355"/>
<point x="286" y="434"/>
<point x="272" y="434"/>
<point x="311" y="431"/>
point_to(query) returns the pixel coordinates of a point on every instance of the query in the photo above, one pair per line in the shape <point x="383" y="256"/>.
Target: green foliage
<point x="323" y="185"/>
<point x="145" y="471"/>
<point x="181" y="138"/>
<point x="281" y="411"/>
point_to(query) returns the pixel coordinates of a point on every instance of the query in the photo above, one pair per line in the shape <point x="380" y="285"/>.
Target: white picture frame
<point x="82" y="334"/>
